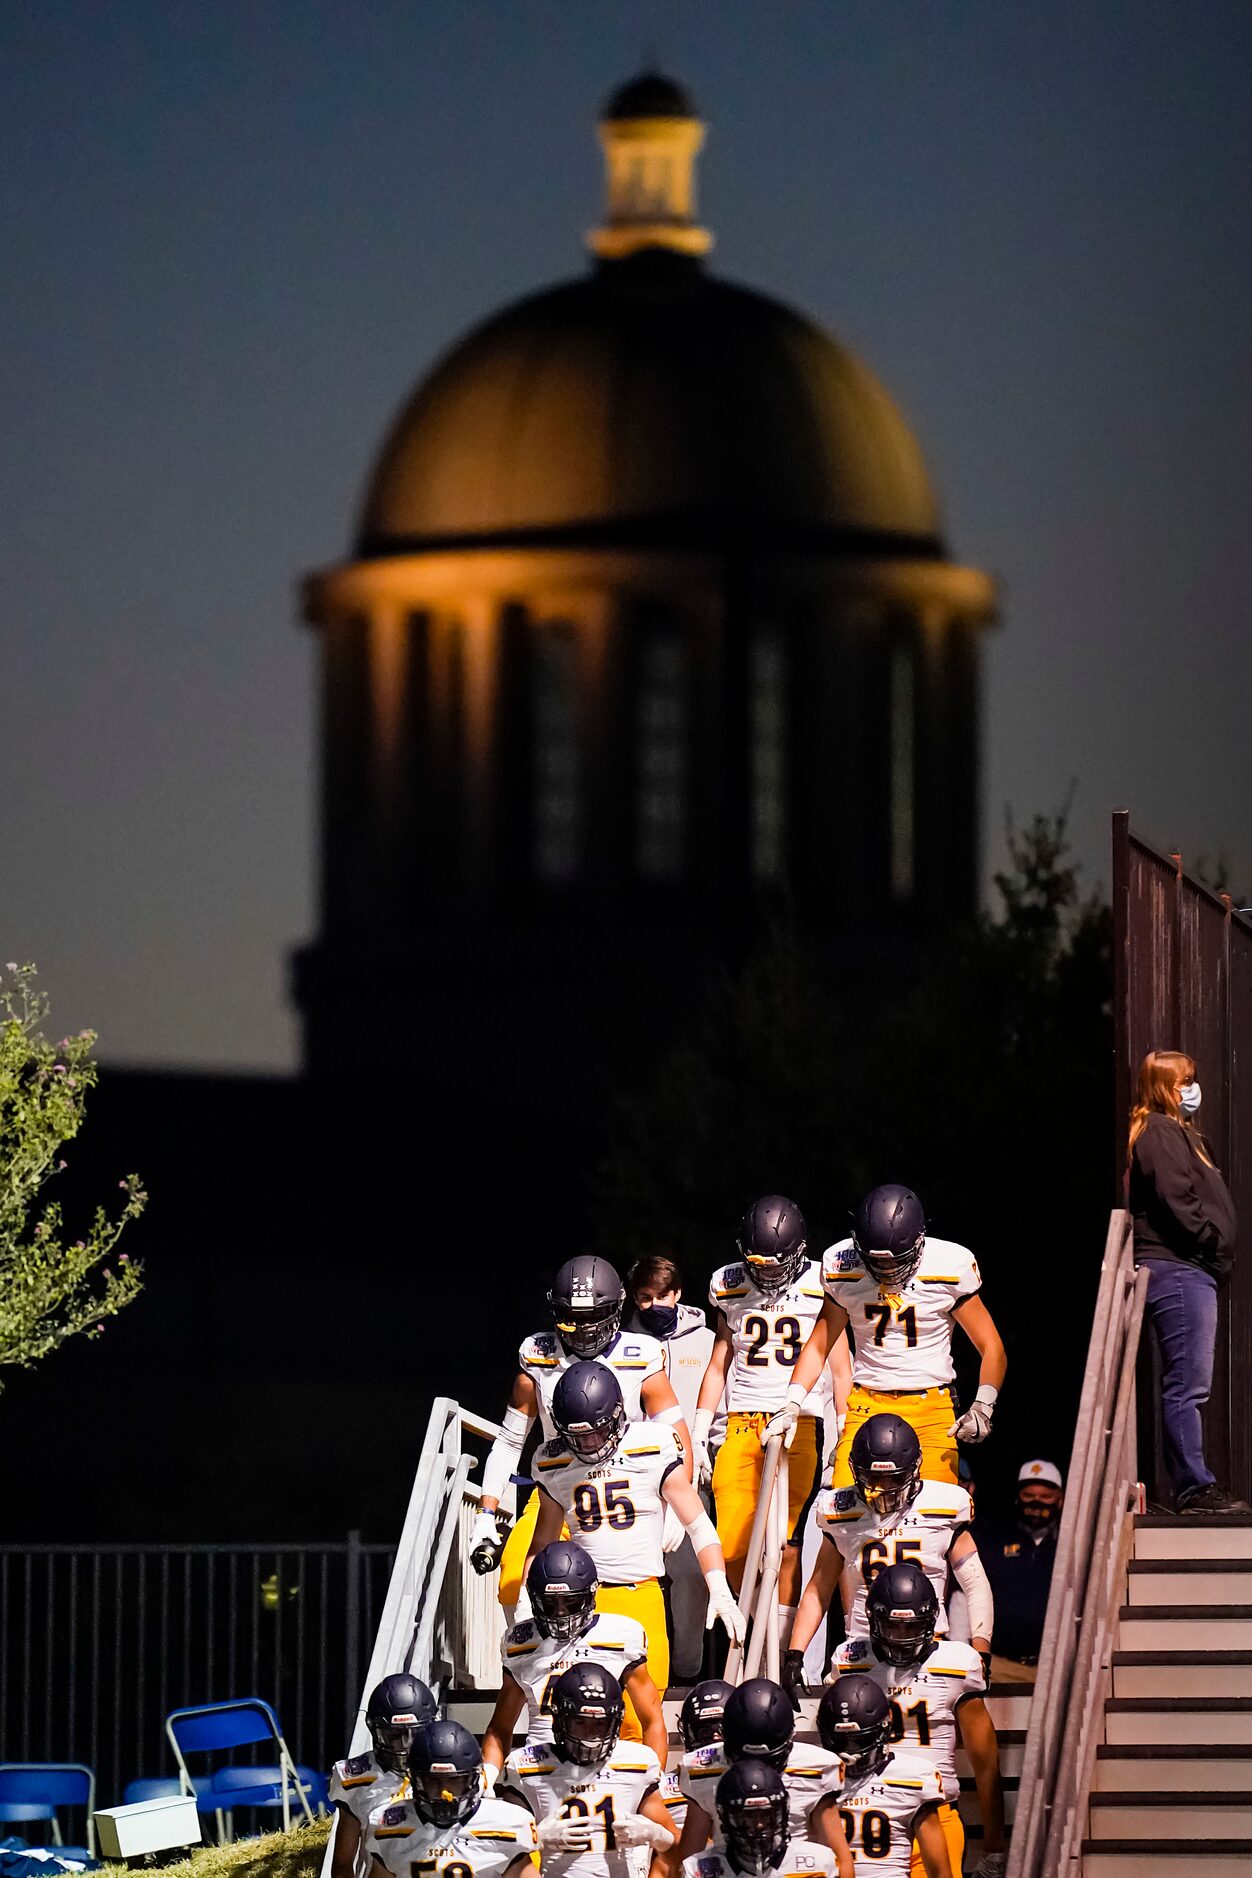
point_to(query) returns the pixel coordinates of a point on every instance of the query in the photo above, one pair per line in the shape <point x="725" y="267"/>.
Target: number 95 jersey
<point x="921" y="1535"/>
<point x="615" y="1509"/>
<point x="767" y="1334"/>
<point x="484" y="1846"/>
<point x="603" y="1792"/>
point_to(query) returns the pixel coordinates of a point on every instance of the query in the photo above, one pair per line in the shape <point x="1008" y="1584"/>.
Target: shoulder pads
<point x="359" y="1764"/>
<point x="842" y="1500"/>
<point x="393" y="1816"/>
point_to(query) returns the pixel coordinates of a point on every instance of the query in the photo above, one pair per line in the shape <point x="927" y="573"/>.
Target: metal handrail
<point x="758" y="1595"/>
<point x="1087" y="1579"/>
<point x="421" y="1580"/>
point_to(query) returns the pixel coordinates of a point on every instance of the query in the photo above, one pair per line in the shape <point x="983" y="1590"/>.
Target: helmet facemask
<point x="392" y="1741"/>
<point x="587" y="1731"/>
<point x="562" y="1614"/>
<point x="892" y="1269"/>
<point x="596" y="1441"/>
<point x="862" y="1750"/>
<point x="444" y="1795"/>
<point x="887" y="1489"/>
<point x="902" y="1636"/>
<point x="756" y="1831"/>
<point x="776" y="1756"/>
<point x="773" y="1275"/>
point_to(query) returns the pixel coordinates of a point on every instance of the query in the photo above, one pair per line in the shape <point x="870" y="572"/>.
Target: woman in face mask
<point x="1184" y="1227"/>
<point x="655" y="1286"/>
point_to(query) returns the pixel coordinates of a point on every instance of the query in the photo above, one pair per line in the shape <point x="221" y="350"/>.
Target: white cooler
<point x="147" y="1826"/>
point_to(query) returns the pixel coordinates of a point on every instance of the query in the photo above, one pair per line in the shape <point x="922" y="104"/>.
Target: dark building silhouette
<point x="649" y="623"/>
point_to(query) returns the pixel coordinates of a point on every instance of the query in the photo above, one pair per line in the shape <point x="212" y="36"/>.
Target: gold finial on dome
<point x="650" y="134"/>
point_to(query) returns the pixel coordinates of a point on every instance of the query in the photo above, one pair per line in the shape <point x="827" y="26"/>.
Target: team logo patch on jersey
<point x="523" y="1632"/>
<point x="858" y="1649"/>
<point x="842" y="1500"/>
<point x="358" y="1765"/>
<point x="394" y="1816"/>
<point x="844" y="1259"/>
<point x="708" y="1867"/>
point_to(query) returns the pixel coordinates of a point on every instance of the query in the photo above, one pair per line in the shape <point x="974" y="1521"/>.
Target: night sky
<point x="233" y="236"/>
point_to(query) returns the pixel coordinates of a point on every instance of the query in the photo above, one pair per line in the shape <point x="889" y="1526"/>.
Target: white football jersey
<point x="878" y="1812"/>
<point x="767" y="1333"/>
<point x="924" y="1698"/>
<point x="483" y="1846"/>
<point x="614" y="1509"/>
<point x="535" y="1662"/>
<point x="605" y="1791"/>
<point x="631" y="1356"/>
<point x="363" y="1786"/>
<point x="673" y="1799"/>
<point x="801" y="1859"/>
<point x="921" y="1535"/>
<point x="810" y="1774"/>
<point x="902" y="1339"/>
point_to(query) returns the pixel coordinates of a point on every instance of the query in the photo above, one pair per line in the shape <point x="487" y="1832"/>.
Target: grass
<point x="294" y="1854"/>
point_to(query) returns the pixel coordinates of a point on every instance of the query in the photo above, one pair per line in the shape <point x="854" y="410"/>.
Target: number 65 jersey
<point x="494" y="1837"/>
<point x="615" y="1509"/>
<point x="603" y="1792"/>
<point x="921" y="1535"/>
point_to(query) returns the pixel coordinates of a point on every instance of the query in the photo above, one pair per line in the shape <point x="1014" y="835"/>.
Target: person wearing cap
<point x="1018" y="1556"/>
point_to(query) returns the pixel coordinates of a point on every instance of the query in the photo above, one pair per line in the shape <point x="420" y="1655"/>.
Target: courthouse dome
<point x="650" y="400"/>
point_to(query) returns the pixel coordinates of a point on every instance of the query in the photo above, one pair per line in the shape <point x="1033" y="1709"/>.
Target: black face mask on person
<point x="659" y="1320"/>
<point x="1038" y="1514"/>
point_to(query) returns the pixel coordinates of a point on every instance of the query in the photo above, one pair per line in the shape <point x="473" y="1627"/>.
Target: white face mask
<point x="1189" y="1098"/>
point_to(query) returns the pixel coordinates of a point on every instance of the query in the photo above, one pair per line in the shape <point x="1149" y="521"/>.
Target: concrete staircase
<point x="1173" y="1782"/>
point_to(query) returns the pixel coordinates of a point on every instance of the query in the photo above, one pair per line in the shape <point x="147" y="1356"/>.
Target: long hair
<point x="1158" y="1095"/>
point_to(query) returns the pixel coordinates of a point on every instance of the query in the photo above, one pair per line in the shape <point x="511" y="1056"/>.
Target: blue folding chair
<point x="35" y="1789"/>
<point x="218" y="1727"/>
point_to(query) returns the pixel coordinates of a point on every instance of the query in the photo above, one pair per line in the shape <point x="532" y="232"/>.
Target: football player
<point x="758" y="1724"/>
<point x="396" y="1709"/>
<point x="699" y="1726"/>
<point x="755" y="1835"/>
<point x="450" y="1825"/>
<point x="936" y="1694"/>
<point x="891" y="1516"/>
<point x="595" y="1798"/>
<point x="587" y="1298"/>
<point x="899" y="1292"/>
<point x="767" y="1304"/>
<point x="890" y="1799"/>
<point x="611" y="1480"/>
<point x="564" y="1628"/>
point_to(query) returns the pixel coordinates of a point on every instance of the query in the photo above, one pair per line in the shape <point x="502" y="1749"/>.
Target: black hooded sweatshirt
<point x="1181" y="1207"/>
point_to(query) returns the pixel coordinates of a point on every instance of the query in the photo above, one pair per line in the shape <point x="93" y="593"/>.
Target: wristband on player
<point x="980" y="1609"/>
<point x="506" y="1451"/>
<point x="701" y="1423"/>
<point x="796" y="1393"/>
<point x="672" y="1414"/>
<point x="987" y="1394"/>
<point x="702" y="1532"/>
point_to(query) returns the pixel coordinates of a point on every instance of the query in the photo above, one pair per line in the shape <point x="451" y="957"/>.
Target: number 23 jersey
<point x="921" y="1535"/>
<point x="603" y="1792"/>
<point x="483" y="1846"/>
<point x="615" y="1509"/>
<point x="767" y="1333"/>
<point x="902" y="1339"/>
<point x="879" y="1812"/>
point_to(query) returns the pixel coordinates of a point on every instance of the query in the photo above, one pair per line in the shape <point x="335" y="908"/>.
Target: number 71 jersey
<point x="614" y="1509"/>
<point x="921" y="1535"/>
<point x="604" y="1792"/>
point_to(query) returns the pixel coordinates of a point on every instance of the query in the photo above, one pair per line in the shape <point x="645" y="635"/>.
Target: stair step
<point x="1130" y="1858"/>
<point x="1148" y="1767"/>
<point x="1189" y="1581"/>
<point x="1181" y="1673"/>
<point x="1182" y="1626"/>
<point x="1217" y="1721"/>
<point x="1174" y="1815"/>
<point x="1194" y="1535"/>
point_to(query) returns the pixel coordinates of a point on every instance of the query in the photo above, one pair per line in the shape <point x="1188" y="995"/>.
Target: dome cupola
<point x="651" y="135"/>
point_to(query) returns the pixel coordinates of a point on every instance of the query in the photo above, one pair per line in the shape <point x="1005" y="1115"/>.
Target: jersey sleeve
<point x="968" y="1277"/>
<point x="975" y="1682"/>
<point x="539" y="1352"/>
<point x="553" y="1465"/>
<point x="727" y="1283"/>
<point x="841" y="1269"/>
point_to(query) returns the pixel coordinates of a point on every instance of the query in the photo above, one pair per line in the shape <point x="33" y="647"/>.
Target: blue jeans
<point x="1182" y="1309"/>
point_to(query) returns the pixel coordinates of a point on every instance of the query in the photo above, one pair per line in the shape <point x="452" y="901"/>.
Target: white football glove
<point x="491" y="1773"/>
<point x="829" y="1462"/>
<point x="673" y="1534"/>
<point x="991" y="1865"/>
<point x="638" y="1829"/>
<point x="784" y="1424"/>
<point x="975" y="1425"/>
<point x="722" y="1605"/>
<point x="521" y="1610"/>
<point x="567" y="1835"/>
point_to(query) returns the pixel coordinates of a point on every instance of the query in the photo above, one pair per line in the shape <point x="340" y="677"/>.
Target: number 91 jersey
<point x="603" y="1792"/>
<point x="615" y="1509"/>
<point x="485" y="1845"/>
<point x="879" y="1811"/>
<point x="767" y="1334"/>
<point x="924" y="1698"/>
<point x="921" y="1535"/>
